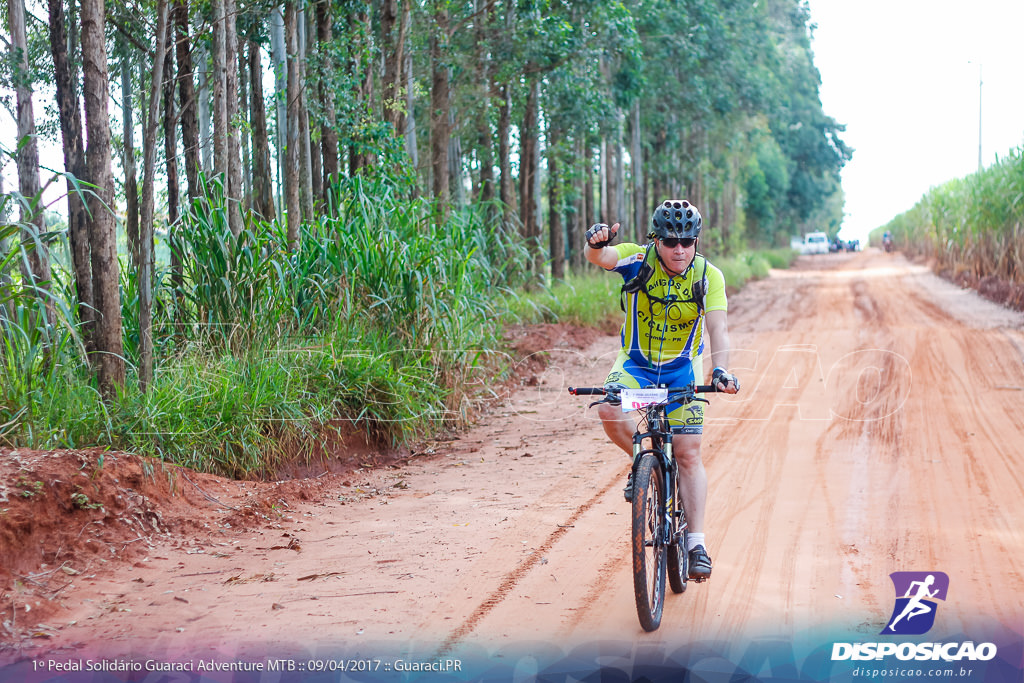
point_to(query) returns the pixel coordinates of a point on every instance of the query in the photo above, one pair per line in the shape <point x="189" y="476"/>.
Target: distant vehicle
<point x="887" y="241"/>
<point x="816" y="243"/>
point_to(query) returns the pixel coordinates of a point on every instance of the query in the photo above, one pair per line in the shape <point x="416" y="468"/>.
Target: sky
<point x="903" y="76"/>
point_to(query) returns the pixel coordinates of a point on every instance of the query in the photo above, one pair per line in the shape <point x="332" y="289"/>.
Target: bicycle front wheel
<point x="649" y="542"/>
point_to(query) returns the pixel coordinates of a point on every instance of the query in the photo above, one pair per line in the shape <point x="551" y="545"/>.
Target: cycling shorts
<point x="684" y="418"/>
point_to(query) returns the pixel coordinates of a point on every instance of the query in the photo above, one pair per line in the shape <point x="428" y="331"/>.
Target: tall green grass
<point x="589" y="299"/>
<point x="973" y="224"/>
<point x="592" y="298"/>
<point x="383" y="322"/>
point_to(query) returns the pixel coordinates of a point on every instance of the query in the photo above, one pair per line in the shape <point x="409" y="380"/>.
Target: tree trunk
<point x="170" y="137"/>
<point x="311" y="158"/>
<point x="603" y="187"/>
<point x="244" y="135"/>
<point x="5" y="271"/>
<point x="328" y="135"/>
<point x="576" y="229"/>
<point x="279" y="60"/>
<point x="131" y="182"/>
<point x="204" y="112"/>
<point x="411" y="145"/>
<point x="37" y="272"/>
<point x="636" y="155"/>
<point x="506" y="193"/>
<point x="588" y="186"/>
<point x="187" y="99"/>
<point x="220" y="105"/>
<point x="394" y="60"/>
<point x="171" y="118"/>
<point x="483" y="82"/>
<point x="149" y="174"/>
<point x="305" y="150"/>
<point x="527" y="168"/>
<point x="361" y="69"/>
<point x="109" y="344"/>
<point x="458" y="187"/>
<point x="291" y="166"/>
<point x="232" y="148"/>
<point x="556" y="235"/>
<point x="658" y="193"/>
<point x="262" y="192"/>
<point x="440" y="126"/>
<point x="619" y="193"/>
<point x="66" y="79"/>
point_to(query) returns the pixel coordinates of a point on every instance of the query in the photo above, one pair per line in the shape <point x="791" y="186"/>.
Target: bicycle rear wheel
<point x="678" y="558"/>
<point x="649" y="542"/>
<point x="678" y="564"/>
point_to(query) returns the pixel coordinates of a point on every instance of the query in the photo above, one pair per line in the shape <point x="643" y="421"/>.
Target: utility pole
<point x="971" y="61"/>
<point x="979" y="115"/>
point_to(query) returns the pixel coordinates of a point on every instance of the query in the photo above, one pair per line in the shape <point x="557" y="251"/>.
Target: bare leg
<point x="693" y="480"/>
<point x="618" y="426"/>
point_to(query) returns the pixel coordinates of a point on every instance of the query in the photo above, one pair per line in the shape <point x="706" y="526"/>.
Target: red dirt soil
<point x="880" y="429"/>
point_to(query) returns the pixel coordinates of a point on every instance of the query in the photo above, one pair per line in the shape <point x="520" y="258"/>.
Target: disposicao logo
<point x="914" y="614"/>
<point x="916" y="595"/>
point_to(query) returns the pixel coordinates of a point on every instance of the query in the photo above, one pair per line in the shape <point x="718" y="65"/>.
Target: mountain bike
<point x="658" y="538"/>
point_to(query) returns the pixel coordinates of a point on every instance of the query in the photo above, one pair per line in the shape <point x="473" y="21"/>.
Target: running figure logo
<point x="916" y="592"/>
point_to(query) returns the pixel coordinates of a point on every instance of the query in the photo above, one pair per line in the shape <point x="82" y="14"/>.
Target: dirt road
<point x="879" y="430"/>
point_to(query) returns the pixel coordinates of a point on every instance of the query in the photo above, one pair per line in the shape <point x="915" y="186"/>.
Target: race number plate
<point x="635" y="399"/>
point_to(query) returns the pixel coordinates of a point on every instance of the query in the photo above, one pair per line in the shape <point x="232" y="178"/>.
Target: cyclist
<point x="672" y="298"/>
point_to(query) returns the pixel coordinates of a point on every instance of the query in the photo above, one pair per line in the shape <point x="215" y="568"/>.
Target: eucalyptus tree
<point x="229" y="65"/>
<point x="145" y="269"/>
<point x="290" y="170"/>
<point x="262" y="190"/>
<point x="63" y="33"/>
<point x="188" y="106"/>
<point x="36" y="268"/>
<point x="307" y="180"/>
<point x="129" y="168"/>
<point x="805" y="134"/>
<point x="440" y="102"/>
<point x="326" y="64"/>
<point x="96" y="90"/>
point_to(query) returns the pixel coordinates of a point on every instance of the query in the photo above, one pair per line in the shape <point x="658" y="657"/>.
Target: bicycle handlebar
<point x="601" y="391"/>
<point x="587" y="391"/>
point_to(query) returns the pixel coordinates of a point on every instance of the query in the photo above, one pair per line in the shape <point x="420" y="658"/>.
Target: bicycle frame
<point x="660" y="435"/>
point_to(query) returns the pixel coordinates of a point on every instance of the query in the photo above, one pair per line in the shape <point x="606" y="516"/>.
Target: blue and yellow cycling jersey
<point x="664" y="323"/>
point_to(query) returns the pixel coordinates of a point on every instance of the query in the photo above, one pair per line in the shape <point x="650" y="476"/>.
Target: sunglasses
<point x="671" y="242"/>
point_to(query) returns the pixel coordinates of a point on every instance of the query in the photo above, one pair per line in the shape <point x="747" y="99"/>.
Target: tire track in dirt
<point x="512" y="579"/>
<point x="597" y="588"/>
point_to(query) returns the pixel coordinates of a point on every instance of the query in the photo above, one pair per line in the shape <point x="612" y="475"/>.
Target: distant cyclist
<point x="673" y="299"/>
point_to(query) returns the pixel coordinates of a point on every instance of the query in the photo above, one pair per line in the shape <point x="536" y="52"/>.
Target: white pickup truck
<point x="815" y="243"/>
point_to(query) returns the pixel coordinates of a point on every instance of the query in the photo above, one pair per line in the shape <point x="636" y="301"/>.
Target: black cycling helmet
<point x="675" y="218"/>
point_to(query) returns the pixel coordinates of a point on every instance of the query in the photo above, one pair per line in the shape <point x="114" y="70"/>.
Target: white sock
<point x="694" y="540"/>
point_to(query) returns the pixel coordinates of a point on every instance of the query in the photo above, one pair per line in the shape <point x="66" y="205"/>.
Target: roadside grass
<point x="591" y="298"/>
<point x="587" y="299"/>
<point x="385" y="322"/>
